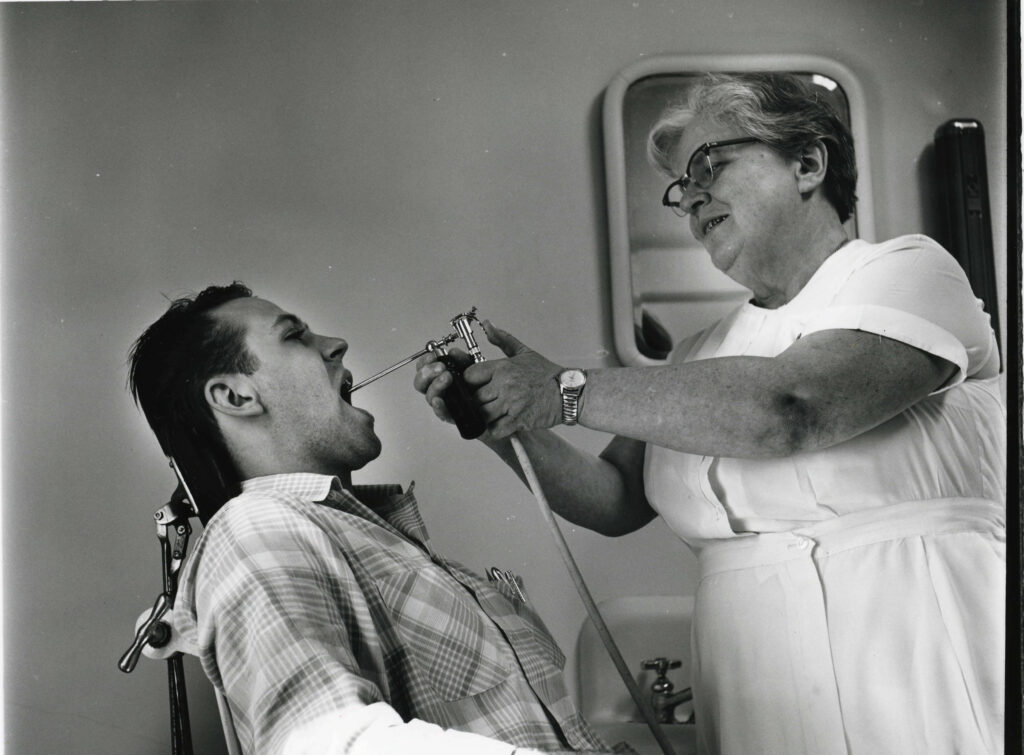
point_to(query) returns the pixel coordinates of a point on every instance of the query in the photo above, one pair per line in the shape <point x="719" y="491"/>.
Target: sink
<point x="682" y="737"/>
<point x="643" y="627"/>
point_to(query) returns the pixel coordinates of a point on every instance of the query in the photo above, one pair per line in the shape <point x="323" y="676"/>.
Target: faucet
<point x="663" y="700"/>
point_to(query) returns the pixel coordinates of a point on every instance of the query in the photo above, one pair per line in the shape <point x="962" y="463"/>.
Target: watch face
<point x="572" y="378"/>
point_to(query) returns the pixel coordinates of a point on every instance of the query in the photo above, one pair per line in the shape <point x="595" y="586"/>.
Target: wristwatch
<point x="571" y="383"/>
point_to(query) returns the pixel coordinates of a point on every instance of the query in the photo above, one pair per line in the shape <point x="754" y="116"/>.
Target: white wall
<point x="376" y="167"/>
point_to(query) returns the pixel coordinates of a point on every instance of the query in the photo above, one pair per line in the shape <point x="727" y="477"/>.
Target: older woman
<point x="833" y="450"/>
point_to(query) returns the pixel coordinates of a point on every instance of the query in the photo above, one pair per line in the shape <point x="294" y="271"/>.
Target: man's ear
<point x="812" y="165"/>
<point x="234" y="395"/>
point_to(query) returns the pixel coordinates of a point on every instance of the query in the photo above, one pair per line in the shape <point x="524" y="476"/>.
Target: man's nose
<point x="333" y="348"/>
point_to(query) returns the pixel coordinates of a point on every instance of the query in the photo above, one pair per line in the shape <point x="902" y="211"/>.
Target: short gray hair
<point x="781" y="110"/>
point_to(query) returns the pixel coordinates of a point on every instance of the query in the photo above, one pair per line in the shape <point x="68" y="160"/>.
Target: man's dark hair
<point x="169" y="365"/>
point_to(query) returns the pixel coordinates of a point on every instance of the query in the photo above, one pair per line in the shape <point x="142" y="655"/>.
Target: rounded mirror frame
<point x="626" y="301"/>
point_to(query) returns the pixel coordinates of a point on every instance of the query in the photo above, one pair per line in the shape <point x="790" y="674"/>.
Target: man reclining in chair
<point x="317" y="607"/>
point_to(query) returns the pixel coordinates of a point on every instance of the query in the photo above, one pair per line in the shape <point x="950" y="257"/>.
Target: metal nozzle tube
<point x="425" y="350"/>
<point x="388" y="371"/>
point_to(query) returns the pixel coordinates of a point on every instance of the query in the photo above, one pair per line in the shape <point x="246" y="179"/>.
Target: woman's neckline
<point x="752" y="304"/>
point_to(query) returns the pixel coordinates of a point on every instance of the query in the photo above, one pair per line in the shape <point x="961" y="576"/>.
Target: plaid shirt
<point x="303" y="600"/>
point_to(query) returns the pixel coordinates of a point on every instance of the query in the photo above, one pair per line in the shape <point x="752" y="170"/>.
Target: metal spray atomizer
<point x="458" y="397"/>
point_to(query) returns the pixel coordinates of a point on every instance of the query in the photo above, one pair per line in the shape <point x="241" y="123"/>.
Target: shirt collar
<point x="304" y="485"/>
<point x="314" y="487"/>
<point x="387" y="501"/>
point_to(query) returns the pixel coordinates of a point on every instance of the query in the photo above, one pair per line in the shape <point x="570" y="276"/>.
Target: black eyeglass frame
<point x="684" y="181"/>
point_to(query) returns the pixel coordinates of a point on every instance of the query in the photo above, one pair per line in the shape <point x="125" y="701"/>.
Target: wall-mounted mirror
<point x="664" y="286"/>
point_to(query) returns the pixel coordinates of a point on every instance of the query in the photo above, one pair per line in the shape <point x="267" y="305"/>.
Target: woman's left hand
<point x="518" y="393"/>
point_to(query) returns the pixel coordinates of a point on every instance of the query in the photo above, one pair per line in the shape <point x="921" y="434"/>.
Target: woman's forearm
<point x="826" y="388"/>
<point x="718" y="407"/>
<point x="601" y="493"/>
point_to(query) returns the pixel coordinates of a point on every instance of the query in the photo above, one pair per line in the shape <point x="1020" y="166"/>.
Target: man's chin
<point x="370" y="452"/>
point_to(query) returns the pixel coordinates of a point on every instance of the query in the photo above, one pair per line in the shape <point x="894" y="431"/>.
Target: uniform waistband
<point x="935" y="516"/>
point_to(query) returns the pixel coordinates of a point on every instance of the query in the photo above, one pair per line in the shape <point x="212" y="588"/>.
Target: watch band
<point x="570" y="407"/>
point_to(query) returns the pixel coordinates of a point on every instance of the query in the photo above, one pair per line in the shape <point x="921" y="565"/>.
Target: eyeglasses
<point x="699" y="172"/>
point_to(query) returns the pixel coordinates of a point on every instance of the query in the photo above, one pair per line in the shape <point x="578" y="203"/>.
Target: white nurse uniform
<point x="851" y="599"/>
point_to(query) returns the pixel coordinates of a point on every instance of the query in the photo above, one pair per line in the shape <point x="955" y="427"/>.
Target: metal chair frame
<point x="173" y="531"/>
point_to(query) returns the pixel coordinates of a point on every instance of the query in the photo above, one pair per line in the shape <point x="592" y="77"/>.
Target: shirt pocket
<point x="522" y="625"/>
<point x="447" y="634"/>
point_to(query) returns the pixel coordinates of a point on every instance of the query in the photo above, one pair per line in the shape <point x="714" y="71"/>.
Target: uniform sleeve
<point x="277" y="629"/>
<point x="912" y="290"/>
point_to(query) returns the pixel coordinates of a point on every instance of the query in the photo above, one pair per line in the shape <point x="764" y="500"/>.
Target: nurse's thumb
<point x="508" y="343"/>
